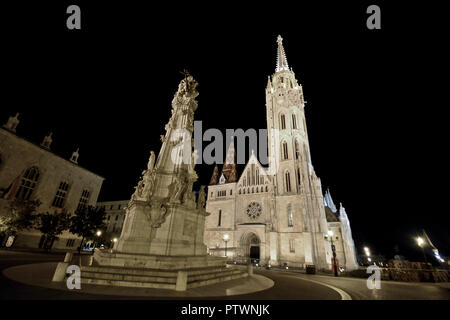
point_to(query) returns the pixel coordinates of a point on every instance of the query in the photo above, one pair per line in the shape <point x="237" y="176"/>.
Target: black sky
<point x="375" y="111"/>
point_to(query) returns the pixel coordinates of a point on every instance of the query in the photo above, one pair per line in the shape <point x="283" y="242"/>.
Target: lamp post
<point x="99" y="233"/>
<point x="420" y="242"/>
<point x="367" y="252"/>
<point x="333" y="249"/>
<point x="226" y="238"/>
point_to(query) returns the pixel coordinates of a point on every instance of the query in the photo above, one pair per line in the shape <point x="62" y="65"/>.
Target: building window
<point x="118" y="207"/>
<point x="70" y="242"/>
<point x="61" y="194"/>
<point x="112" y="207"/>
<point x="117" y="217"/>
<point x="83" y="200"/>
<point x="231" y="192"/>
<point x="285" y="151"/>
<point x="299" y="178"/>
<point x="109" y="218"/>
<point x="283" y="122"/>
<point x="288" y="181"/>
<point x="28" y="183"/>
<point x="297" y="150"/>
<point x="219" y="223"/>
<point x="290" y="217"/>
<point x="294" y="122"/>
<point x="222" y="193"/>
<point x="292" y="245"/>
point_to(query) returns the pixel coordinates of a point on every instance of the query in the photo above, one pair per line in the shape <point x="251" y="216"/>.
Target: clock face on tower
<point x="254" y="210"/>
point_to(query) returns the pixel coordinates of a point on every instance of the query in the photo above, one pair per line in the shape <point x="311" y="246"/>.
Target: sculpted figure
<point x="201" y="198"/>
<point x="151" y="161"/>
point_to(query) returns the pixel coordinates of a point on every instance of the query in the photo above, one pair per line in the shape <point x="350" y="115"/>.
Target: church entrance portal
<point x="250" y="245"/>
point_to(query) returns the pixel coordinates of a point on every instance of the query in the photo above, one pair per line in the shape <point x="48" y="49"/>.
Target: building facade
<point x="277" y="213"/>
<point x="29" y="171"/>
<point x="115" y="216"/>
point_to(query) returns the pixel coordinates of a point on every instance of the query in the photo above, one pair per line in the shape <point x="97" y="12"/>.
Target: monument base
<point x="152" y="271"/>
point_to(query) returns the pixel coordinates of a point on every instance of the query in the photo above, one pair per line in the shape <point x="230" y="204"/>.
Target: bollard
<point x="68" y="257"/>
<point x="181" y="281"/>
<point x="60" y="272"/>
<point x="250" y="269"/>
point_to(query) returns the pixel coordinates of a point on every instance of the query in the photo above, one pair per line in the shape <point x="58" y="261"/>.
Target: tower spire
<point x="229" y="167"/>
<point x="282" y="63"/>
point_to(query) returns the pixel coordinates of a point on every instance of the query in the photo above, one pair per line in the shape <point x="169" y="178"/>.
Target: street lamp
<point x="420" y="242"/>
<point x="367" y="252"/>
<point x="99" y="233"/>
<point x="333" y="249"/>
<point x="226" y="238"/>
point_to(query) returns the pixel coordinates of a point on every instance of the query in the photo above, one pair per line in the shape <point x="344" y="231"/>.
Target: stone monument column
<point x="163" y="217"/>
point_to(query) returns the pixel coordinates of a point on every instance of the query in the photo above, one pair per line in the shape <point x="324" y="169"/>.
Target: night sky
<point x="375" y="99"/>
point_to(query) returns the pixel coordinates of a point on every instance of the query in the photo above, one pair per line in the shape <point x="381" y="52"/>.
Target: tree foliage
<point x="20" y="215"/>
<point x="51" y="225"/>
<point x="86" y="221"/>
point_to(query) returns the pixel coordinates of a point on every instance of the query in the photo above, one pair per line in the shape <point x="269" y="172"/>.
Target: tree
<point x="86" y="221"/>
<point x="21" y="215"/>
<point x="51" y="225"/>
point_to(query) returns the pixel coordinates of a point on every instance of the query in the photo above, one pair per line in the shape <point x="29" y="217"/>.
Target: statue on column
<point x="201" y="198"/>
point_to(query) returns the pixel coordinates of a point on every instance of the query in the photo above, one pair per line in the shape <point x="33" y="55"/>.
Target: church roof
<point x="331" y="217"/>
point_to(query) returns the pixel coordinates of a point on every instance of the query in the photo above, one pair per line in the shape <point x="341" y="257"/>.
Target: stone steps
<point x="150" y="272"/>
<point x="145" y="278"/>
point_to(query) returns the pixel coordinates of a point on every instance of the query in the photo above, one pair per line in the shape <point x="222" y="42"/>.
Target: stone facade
<point x="115" y="216"/>
<point x="30" y="171"/>
<point x="274" y="214"/>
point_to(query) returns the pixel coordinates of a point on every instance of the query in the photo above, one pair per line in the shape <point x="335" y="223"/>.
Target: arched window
<point x="288" y="181"/>
<point x="294" y="122"/>
<point x="299" y="178"/>
<point x="219" y="223"/>
<point x="290" y="216"/>
<point x="285" y="150"/>
<point x="267" y="189"/>
<point x="28" y="183"/>
<point x="61" y="195"/>
<point x="297" y="150"/>
<point x="283" y="122"/>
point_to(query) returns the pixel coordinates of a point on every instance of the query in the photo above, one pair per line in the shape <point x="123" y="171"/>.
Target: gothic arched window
<point x="290" y="216"/>
<point x="297" y="150"/>
<point x="294" y="122"/>
<point x="288" y="181"/>
<point x="28" y="183"/>
<point x="285" y="150"/>
<point x="283" y="122"/>
<point x="299" y="179"/>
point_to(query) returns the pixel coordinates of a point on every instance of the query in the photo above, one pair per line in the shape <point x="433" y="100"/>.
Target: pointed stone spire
<point x="47" y="141"/>
<point x="75" y="155"/>
<point x="229" y="167"/>
<point x="281" y="56"/>
<point x="329" y="201"/>
<point x="12" y="123"/>
<point x="215" y="176"/>
<point x="269" y="83"/>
